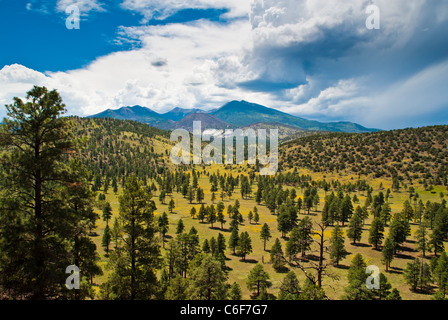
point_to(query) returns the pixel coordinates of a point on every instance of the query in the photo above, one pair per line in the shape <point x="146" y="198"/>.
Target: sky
<point x="315" y="59"/>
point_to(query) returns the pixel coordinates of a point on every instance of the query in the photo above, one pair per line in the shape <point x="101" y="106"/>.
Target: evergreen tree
<point x="337" y="247"/>
<point x="376" y="232"/>
<point x="421" y="237"/>
<point x="171" y="205"/>
<point x="107" y="212"/>
<point x="177" y="289"/>
<point x="193" y="212"/>
<point x="180" y="226"/>
<point x="357" y="277"/>
<point x="45" y="202"/>
<point x="388" y="252"/>
<point x="354" y="231"/>
<point x="105" y="241"/>
<point x="134" y="264"/>
<point x="234" y="240"/>
<point x="208" y="281"/>
<point x="277" y="257"/>
<point x="163" y="225"/>
<point x="244" y="245"/>
<point x="258" y="279"/>
<point x="235" y="292"/>
<point x="265" y="235"/>
<point x="290" y="287"/>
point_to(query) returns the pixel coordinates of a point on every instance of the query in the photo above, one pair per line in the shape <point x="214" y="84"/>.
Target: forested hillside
<point x="410" y="155"/>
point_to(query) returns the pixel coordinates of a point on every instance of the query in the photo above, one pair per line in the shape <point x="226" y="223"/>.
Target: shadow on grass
<point x="342" y="267"/>
<point x="395" y="270"/>
<point x="362" y="245"/>
<point x="404" y="256"/>
<point x="249" y="261"/>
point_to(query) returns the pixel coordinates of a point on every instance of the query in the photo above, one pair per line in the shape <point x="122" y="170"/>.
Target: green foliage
<point x="337" y="247"/>
<point x="45" y="203"/>
<point x="258" y="279"/>
<point x="134" y="263"/>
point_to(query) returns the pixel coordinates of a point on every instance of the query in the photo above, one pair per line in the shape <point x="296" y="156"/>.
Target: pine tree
<point x="290" y="287"/>
<point x="171" y="205"/>
<point x="207" y="280"/>
<point x="258" y="279"/>
<point x="388" y="252"/>
<point x="421" y="237"/>
<point x="105" y="241"/>
<point x="234" y="239"/>
<point x="193" y="212"/>
<point x="107" y="212"/>
<point x="180" y="226"/>
<point x="277" y="257"/>
<point x="354" y="231"/>
<point x="337" y="247"/>
<point x="177" y="289"/>
<point x="134" y="264"/>
<point x="235" y="292"/>
<point x="244" y="245"/>
<point x="163" y="225"/>
<point x="45" y="202"/>
<point x="265" y="235"/>
<point x="376" y="232"/>
<point x="250" y="216"/>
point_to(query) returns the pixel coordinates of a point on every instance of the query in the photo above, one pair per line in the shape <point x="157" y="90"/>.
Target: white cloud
<point x="161" y="9"/>
<point x="85" y="6"/>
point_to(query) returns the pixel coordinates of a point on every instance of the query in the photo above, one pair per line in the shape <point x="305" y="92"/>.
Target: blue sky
<point x="314" y="59"/>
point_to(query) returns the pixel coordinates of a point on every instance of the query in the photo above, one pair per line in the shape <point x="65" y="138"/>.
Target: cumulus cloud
<point x="85" y="6"/>
<point x="161" y="9"/>
<point x="310" y="58"/>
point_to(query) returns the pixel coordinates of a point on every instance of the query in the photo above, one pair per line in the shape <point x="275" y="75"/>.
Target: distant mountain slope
<point x="235" y="114"/>
<point x="136" y="113"/>
<point x="178" y="113"/>
<point x="243" y="113"/>
<point x="207" y="122"/>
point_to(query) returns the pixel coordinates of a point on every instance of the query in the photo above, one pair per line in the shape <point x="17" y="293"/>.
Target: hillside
<point x="409" y="154"/>
<point x="114" y="149"/>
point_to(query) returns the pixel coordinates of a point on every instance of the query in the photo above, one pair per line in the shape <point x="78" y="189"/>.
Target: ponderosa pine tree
<point x="354" y="231"/>
<point x="388" y="253"/>
<point x="277" y="257"/>
<point x="134" y="263"/>
<point x="265" y="235"/>
<point x="244" y="245"/>
<point x="376" y="232"/>
<point x="41" y="233"/>
<point x="337" y="247"/>
<point x="290" y="288"/>
<point x="235" y="292"/>
<point x="207" y="280"/>
<point x="258" y="279"/>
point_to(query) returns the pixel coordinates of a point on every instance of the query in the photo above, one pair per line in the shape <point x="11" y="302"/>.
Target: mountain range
<point x="235" y="114"/>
